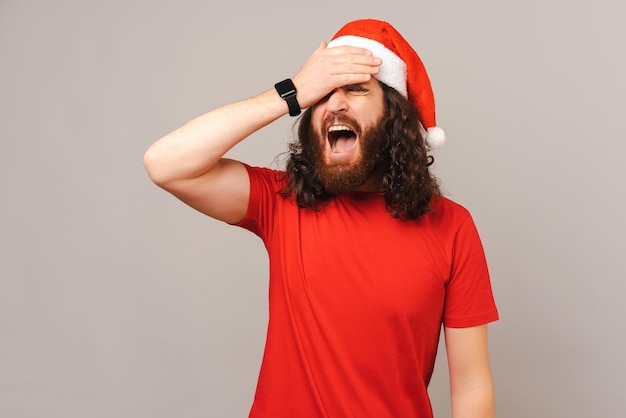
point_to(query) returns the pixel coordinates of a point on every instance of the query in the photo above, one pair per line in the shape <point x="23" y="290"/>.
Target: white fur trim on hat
<point x="392" y="70"/>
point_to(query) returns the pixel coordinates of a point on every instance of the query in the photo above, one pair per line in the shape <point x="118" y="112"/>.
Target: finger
<point x="349" y="49"/>
<point x="358" y="59"/>
<point x="354" y="69"/>
<point x="355" y="64"/>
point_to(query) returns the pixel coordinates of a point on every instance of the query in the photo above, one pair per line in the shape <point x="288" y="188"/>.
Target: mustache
<point x="340" y="120"/>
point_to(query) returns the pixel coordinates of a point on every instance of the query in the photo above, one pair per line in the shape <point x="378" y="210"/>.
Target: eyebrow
<point x="358" y="86"/>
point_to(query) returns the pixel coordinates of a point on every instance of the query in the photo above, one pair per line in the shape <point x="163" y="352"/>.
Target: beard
<point x="342" y="177"/>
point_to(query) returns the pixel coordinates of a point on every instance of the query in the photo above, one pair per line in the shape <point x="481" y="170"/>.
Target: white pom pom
<point x="435" y="137"/>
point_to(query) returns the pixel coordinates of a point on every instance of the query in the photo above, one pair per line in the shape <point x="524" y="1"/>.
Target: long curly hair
<point x="408" y="184"/>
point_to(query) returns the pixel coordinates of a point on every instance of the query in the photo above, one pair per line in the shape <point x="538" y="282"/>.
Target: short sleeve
<point x="469" y="298"/>
<point x="265" y="185"/>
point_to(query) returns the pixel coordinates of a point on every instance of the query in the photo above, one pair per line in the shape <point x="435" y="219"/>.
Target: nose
<point x="337" y="102"/>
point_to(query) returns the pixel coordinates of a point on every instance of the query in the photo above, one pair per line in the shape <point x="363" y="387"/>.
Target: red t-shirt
<point x="357" y="299"/>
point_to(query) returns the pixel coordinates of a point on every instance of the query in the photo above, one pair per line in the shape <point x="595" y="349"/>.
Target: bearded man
<point x="368" y="261"/>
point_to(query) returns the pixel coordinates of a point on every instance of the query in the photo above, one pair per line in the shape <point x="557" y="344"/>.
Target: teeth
<point x="336" y="128"/>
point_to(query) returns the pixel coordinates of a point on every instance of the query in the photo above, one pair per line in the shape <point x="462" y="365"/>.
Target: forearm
<point x="471" y="382"/>
<point x="193" y="149"/>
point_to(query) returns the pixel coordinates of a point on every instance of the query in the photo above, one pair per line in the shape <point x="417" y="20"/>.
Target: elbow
<point x="153" y="165"/>
<point x="476" y="402"/>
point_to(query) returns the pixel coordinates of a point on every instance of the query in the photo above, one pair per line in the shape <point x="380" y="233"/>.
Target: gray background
<point x="116" y="300"/>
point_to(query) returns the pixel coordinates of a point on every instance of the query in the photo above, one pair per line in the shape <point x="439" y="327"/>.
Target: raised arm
<point x="471" y="382"/>
<point x="189" y="163"/>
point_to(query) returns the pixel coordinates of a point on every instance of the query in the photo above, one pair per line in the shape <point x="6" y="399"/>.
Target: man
<point x="367" y="259"/>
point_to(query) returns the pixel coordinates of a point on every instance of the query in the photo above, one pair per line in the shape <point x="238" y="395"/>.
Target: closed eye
<point x="356" y="88"/>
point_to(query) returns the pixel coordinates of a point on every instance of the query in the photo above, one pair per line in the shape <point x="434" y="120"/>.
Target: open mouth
<point x="341" y="138"/>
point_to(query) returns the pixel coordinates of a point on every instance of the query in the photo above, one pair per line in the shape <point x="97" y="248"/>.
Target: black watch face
<point x="285" y="88"/>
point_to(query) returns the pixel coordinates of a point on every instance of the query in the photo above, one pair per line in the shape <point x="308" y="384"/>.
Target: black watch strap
<point x="287" y="90"/>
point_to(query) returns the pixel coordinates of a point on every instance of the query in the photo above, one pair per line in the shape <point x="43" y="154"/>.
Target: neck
<point x="374" y="183"/>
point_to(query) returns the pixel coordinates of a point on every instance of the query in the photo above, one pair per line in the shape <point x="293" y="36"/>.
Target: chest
<point x="365" y="262"/>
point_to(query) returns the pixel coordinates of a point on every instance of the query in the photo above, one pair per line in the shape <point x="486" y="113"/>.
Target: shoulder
<point x="445" y="210"/>
<point x="266" y="177"/>
<point x="270" y="173"/>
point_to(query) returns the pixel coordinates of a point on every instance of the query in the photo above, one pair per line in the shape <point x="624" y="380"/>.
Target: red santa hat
<point x="401" y="69"/>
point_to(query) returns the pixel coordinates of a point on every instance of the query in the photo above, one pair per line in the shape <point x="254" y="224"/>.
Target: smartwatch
<point x="287" y="91"/>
